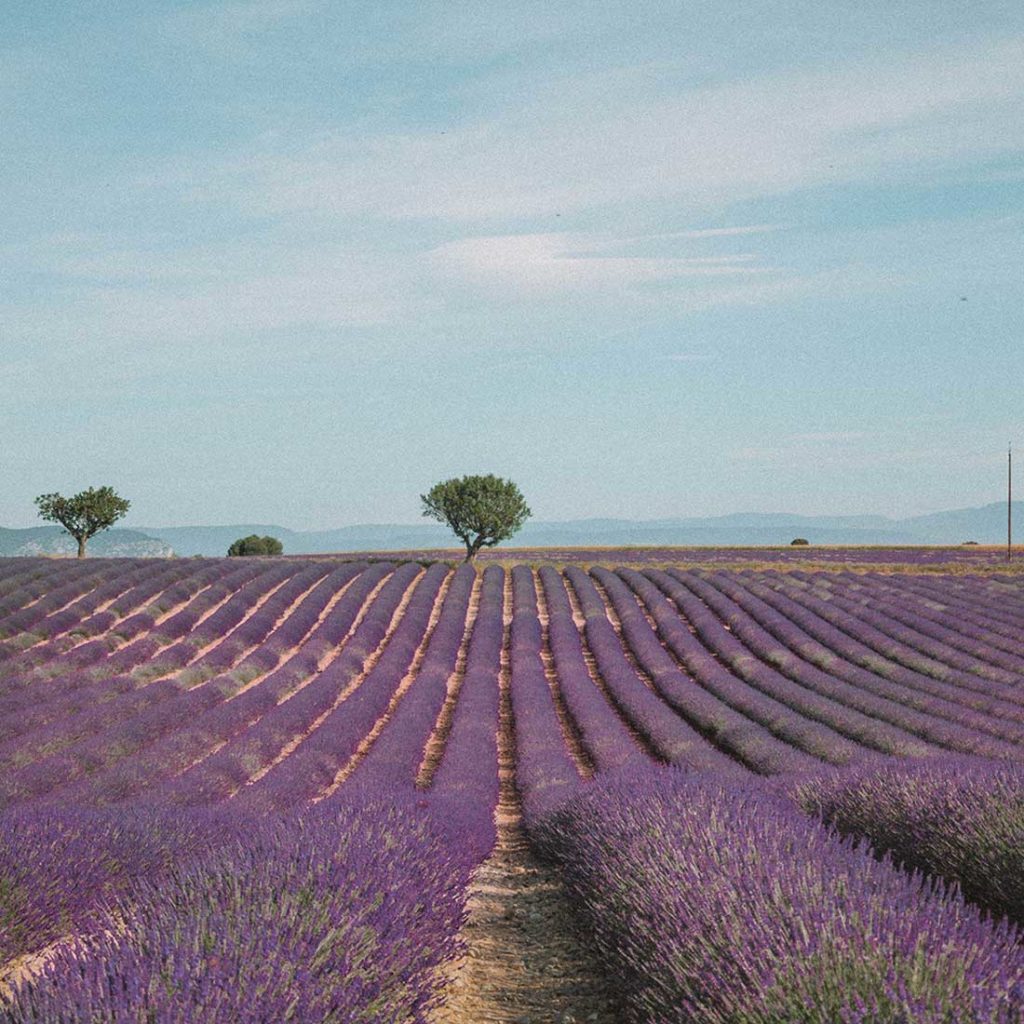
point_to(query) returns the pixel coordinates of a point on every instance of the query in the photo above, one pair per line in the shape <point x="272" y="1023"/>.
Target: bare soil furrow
<point x="442" y="728"/>
<point x="525" y="962"/>
<point x="573" y="740"/>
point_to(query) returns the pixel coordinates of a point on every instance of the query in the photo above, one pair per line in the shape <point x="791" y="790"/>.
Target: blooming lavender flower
<point x="722" y="903"/>
<point x="961" y="819"/>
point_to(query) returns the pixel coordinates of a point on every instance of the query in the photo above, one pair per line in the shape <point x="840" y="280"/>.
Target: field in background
<point x="970" y="558"/>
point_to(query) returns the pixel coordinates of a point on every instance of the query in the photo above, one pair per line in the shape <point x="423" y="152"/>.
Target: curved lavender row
<point x="546" y="774"/>
<point x="313" y="765"/>
<point x="888" y="649"/>
<point x="195" y="733"/>
<point x="304" y="920"/>
<point x="716" y="727"/>
<point x="64" y="730"/>
<point x="217" y="632"/>
<point x="21" y="575"/>
<point x="212" y="632"/>
<point x="250" y="632"/>
<point x="255" y="746"/>
<point x="393" y="760"/>
<point x="967" y="600"/>
<point x="958" y="818"/>
<point x="815" y="702"/>
<point x="45" y="623"/>
<point x="76" y="584"/>
<point x="983" y="609"/>
<point x="120" y="617"/>
<point x="939" y="720"/>
<point x="669" y="736"/>
<point x="911" y="637"/>
<point x="151" y="656"/>
<point x="977" y="646"/>
<point x="465" y="787"/>
<point x="130" y="627"/>
<point x="121" y="592"/>
<point x="109" y="679"/>
<point x="764" y="644"/>
<point x="997" y="600"/>
<point x="31" y="585"/>
<point x="16" y="569"/>
<point x="848" y="650"/>
<point x="808" y="737"/>
<point x="724" y="904"/>
<point x="123" y="738"/>
<point x="606" y="740"/>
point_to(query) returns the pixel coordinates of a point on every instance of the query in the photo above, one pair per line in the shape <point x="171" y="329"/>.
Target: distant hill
<point x="52" y="540"/>
<point x="986" y="524"/>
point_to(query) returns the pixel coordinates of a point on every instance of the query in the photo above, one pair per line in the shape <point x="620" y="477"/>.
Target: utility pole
<point x="1009" y="501"/>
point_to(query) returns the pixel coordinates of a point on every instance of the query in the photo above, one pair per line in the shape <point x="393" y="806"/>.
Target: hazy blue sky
<point x="295" y="260"/>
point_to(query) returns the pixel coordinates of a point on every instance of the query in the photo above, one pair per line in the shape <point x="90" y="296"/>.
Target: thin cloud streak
<point x="705" y="147"/>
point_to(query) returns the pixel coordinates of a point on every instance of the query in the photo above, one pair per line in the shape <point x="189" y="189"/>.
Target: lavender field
<point x="937" y="558"/>
<point x="262" y="790"/>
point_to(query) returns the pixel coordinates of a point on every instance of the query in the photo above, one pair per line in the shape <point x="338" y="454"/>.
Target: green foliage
<point x="85" y="514"/>
<point x="799" y="542"/>
<point x="480" y="510"/>
<point x="253" y="545"/>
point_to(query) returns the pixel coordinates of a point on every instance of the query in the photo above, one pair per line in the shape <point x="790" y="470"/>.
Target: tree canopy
<point x="254" y="545"/>
<point x="480" y="510"/>
<point x="84" y="514"/>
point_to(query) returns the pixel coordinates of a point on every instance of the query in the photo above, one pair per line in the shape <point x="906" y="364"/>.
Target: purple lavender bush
<point x="301" y="920"/>
<point x="724" y="904"/>
<point x="961" y="819"/>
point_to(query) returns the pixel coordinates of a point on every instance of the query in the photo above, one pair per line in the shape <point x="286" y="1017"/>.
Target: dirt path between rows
<point x="525" y="963"/>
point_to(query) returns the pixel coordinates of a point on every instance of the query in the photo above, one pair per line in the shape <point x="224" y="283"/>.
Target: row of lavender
<point x="355" y="935"/>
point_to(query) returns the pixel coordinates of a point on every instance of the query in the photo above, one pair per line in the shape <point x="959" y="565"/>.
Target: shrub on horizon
<point x="254" y="545"/>
<point x="799" y="542"/>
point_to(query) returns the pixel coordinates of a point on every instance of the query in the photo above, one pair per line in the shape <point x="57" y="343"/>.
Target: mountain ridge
<point x="985" y="524"/>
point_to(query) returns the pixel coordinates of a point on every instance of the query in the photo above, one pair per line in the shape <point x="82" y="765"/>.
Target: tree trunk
<point x="81" y="546"/>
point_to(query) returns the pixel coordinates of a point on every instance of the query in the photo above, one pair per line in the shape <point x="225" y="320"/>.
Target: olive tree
<point x="254" y="545"/>
<point x="84" y="514"/>
<point x="480" y="510"/>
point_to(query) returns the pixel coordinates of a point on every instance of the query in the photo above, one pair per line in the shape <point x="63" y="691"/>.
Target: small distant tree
<point x="254" y="545"/>
<point x="799" y="542"/>
<point x="85" y="514"/>
<point x="480" y="510"/>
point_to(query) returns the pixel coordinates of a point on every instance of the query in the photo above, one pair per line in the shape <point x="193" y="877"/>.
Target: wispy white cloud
<point x="703" y="147"/>
<point x="573" y="261"/>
